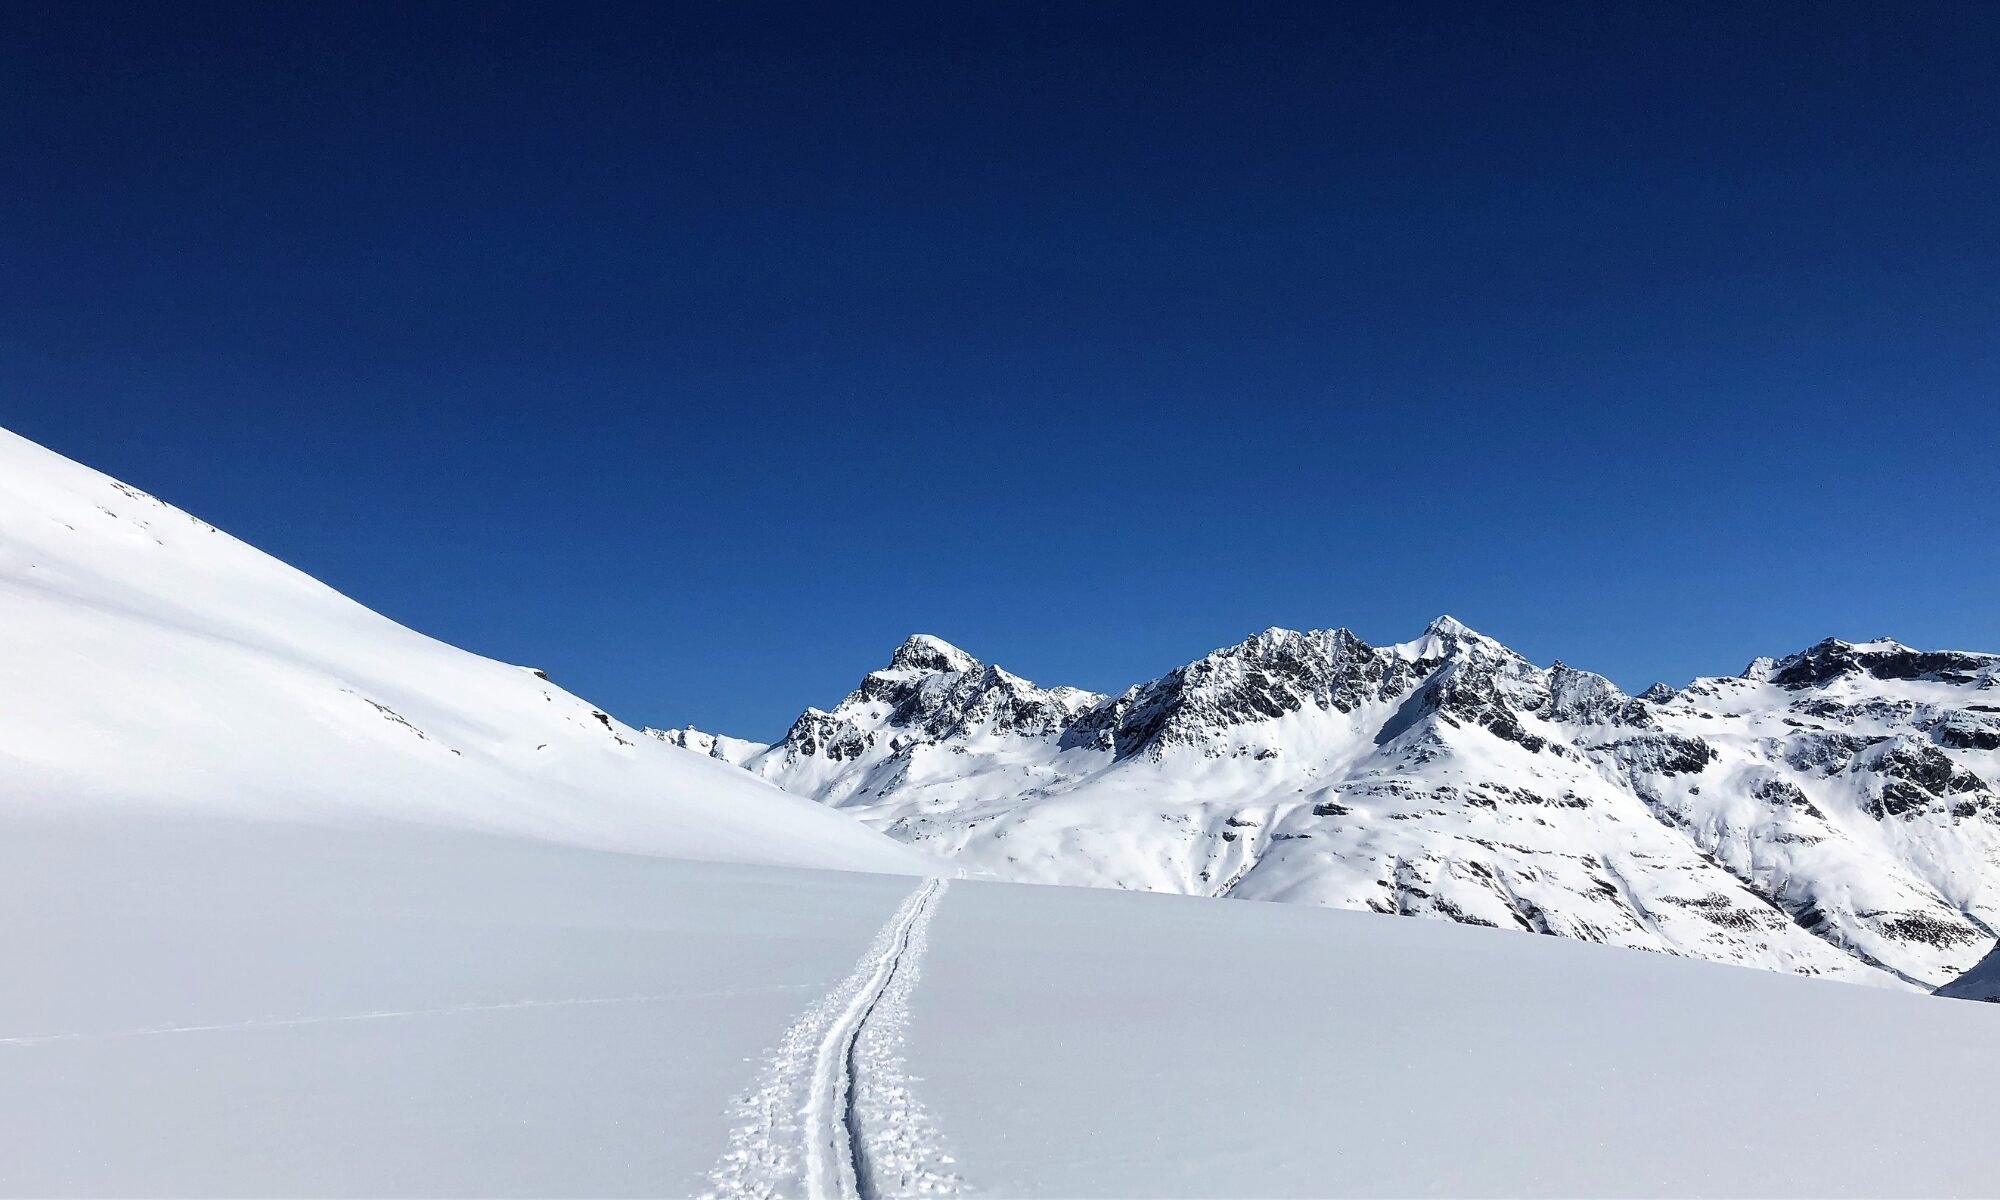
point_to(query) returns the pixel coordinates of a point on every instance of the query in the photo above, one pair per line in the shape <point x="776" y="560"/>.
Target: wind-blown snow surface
<point x="1982" y="982"/>
<point x="1831" y="813"/>
<point x="149" y="662"/>
<point x="229" y="1007"/>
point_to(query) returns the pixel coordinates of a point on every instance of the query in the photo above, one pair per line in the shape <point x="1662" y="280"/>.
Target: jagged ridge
<point x="1829" y="812"/>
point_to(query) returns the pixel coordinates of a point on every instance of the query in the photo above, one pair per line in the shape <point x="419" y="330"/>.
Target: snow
<point x="735" y="751"/>
<point x="1982" y="982"/>
<point x="1833" y="813"/>
<point x="301" y="902"/>
<point x="220" y="1006"/>
<point x="1276" y="1050"/>
<point x="1876" y="645"/>
<point x="928" y="652"/>
<point x="149" y="662"/>
<point x="233" y="1007"/>
<point x="1439" y="639"/>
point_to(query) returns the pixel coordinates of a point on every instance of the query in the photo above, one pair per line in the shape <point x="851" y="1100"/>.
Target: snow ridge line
<point x="832" y="1114"/>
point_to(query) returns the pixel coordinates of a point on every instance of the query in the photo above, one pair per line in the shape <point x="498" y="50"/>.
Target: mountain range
<point x="1830" y="812"/>
<point x="303" y="902"/>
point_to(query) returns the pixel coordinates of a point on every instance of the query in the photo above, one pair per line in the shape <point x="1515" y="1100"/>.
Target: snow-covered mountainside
<point x="150" y="663"/>
<point x="1982" y="982"/>
<point x="1830" y="813"/>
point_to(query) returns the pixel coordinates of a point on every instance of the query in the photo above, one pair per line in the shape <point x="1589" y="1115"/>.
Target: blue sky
<point x="698" y="353"/>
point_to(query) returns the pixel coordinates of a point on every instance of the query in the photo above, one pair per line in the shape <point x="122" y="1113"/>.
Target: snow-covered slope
<point x="149" y="662"/>
<point x="252" y="1008"/>
<point x="1982" y="982"/>
<point x="1830" y="813"/>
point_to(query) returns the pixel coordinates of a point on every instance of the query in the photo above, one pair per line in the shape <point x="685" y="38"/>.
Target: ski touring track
<point x="833" y="1115"/>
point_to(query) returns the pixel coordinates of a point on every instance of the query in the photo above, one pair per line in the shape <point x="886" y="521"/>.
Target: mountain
<point x="302" y="903"/>
<point x="1832" y="812"/>
<point x="150" y="663"/>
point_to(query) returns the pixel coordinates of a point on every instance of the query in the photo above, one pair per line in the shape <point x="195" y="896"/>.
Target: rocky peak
<point x="714" y="745"/>
<point x="987" y="700"/>
<point x="927" y="652"/>
<point x="1075" y="699"/>
<point x="1856" y="816"/>
<point x="1439" y="641"/>
<point x="1586" y="698"/>
<point x="688" y="738"/>
<point x="1266" y="676"/>
<point x="1450" y="652"/>
<point x="932" y="691"/>
<point x="1444" y="625"/>
<point x="1460" y="677"/>
<point x="1447" y="636"/>
<point x="1447" y="641"/>
<point x="1884" y="658"/>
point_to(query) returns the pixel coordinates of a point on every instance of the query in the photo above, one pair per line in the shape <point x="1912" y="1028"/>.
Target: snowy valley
<point x="302" y="902"/>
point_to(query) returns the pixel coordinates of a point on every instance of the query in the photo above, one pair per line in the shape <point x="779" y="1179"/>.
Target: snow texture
<point x="151" y="663"/>
<point x="1832" y="812"/>
<point x="1982" y="982"/>
<point x="270" y="1009"/>
<point x="833" y="1115"/>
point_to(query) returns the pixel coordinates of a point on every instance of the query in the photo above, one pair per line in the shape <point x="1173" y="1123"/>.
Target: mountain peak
<point x="1446" y="625"/>
<point x="1447" y="637"/>
<point x="1265" y="677"/>
<point x="1883" y="658"/>
<point x="928" y="652"/>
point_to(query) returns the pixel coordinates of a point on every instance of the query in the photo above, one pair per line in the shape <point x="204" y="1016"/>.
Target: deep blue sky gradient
<point x="699" y="352"/>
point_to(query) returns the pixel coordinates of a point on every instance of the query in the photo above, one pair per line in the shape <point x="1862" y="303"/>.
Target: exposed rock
<point x="822" y="733"/>
<point x="1883" y="659"/>
<point x="1583" y="698"/>
<point x="1267" y="676"/>
<point x="1721" y="820"/>
<point x="1664" y="754"/>
<point x="1967" y="731"/>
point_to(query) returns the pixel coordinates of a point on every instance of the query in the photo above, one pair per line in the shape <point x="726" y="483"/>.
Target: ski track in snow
<point x="834" y="1113"/>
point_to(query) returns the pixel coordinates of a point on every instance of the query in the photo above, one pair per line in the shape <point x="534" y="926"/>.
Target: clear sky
<point x="697" y="353"/>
